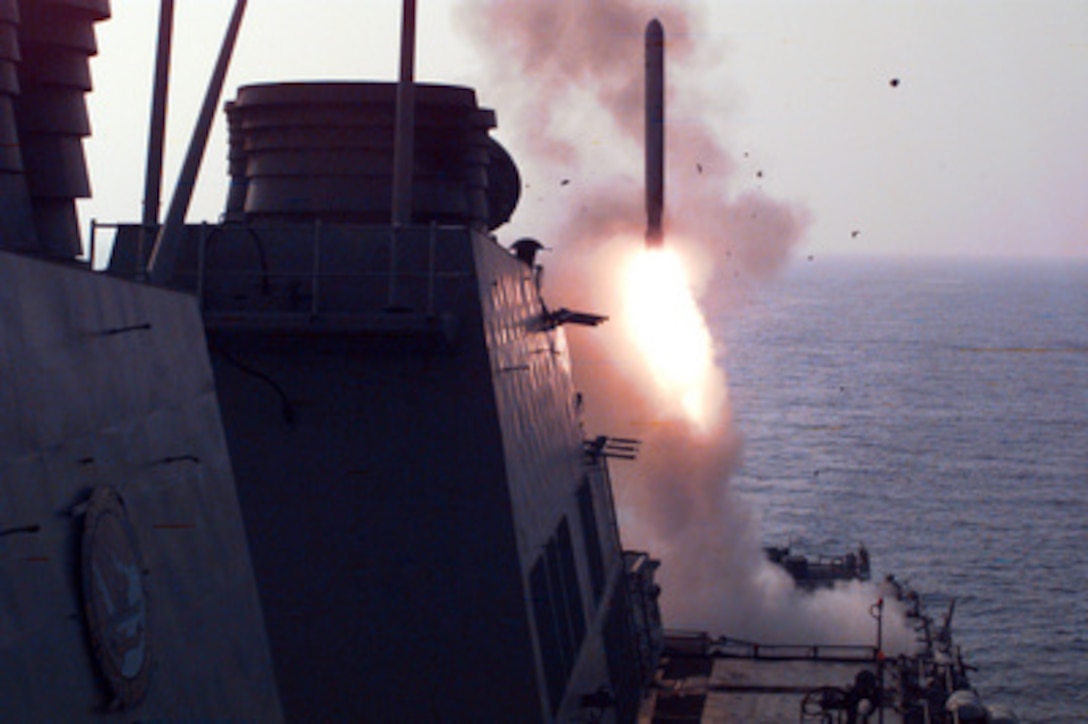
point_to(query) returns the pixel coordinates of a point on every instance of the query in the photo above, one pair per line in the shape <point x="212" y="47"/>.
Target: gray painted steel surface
<point x="402" y="469"/>
<point x="429" y="537"/>
<point x="104" y="382"/>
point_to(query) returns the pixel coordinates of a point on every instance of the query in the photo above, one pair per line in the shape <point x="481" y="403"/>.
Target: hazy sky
<point x="979" y="149"/>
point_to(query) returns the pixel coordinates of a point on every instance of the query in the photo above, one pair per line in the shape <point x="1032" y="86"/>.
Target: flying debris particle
<point x="854" y="234"/>
<point x="565" y="182"/>
<point x="811" y="257"/>
<point x="894" y="82"/>
<point x="759" y="174"/>
<point x="699" y="167"/>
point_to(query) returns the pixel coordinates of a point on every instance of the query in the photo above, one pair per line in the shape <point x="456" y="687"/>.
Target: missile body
<point x="655" y="132"/>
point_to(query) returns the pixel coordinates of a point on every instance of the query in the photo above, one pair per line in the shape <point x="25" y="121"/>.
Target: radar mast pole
<point x="160" y="266"/>
<point x="156" y="131"/>
<point x="404" y="140"/>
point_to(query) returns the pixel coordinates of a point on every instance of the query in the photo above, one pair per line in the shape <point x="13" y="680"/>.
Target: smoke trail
<point x="574" y="68"/>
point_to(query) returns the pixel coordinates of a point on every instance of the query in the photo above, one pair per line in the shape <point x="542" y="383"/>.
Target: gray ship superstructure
<point x="327" y="466"/>
<point x="125" y="578"/>
<point x="430" y="531"/>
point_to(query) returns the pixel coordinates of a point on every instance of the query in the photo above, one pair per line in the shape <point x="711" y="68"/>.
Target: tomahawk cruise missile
<point x="655" y="132"/>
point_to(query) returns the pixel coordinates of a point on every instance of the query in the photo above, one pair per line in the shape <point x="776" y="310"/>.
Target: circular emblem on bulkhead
<point x="114" y="599"/>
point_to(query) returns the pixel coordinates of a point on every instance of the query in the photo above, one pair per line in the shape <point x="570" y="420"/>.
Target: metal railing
<point x="398" y="266"/>
<point x="145" y="240"/>
<point x="699" y="644"/>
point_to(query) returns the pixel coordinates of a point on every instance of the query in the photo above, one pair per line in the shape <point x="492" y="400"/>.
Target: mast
<point x="160" y="267"/>
<point x="404" y="139"/>
<point x="156" y="131"/>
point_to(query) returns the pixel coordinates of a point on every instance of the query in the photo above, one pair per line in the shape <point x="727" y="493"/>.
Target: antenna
<point x="404" y="139"/>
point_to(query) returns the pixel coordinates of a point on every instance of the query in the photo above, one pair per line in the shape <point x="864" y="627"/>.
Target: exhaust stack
<point x="655" y="132"/>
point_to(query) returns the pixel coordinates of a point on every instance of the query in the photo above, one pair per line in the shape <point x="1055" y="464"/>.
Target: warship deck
<point x="738" y="682"/>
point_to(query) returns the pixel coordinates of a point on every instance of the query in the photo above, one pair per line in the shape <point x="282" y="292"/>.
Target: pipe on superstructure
<point x="404" y="138"/>
<point x="157" y="129"/>
<point x="160" y="266"/>
<point x="655" y="132"/>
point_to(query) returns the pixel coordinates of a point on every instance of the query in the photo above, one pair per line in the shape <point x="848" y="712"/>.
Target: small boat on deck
<point x="821" y="571"/>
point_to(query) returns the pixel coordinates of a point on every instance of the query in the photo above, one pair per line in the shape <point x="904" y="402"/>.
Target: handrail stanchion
<point x="316" y="270"/>
<point x="391" y="295"/>
<point x="201" y="250"/>
<point x="431" y="268"/>
<point x="91" y="244"/>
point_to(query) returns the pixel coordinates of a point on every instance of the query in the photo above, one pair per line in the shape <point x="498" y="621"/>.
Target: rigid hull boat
<point x="821" y="571"/>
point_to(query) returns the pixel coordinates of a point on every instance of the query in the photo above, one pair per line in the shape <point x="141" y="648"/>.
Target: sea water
<point x="936" y="411"/>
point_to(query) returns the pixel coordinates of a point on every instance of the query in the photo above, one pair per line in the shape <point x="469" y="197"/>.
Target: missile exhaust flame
<point x="667" y="328"/>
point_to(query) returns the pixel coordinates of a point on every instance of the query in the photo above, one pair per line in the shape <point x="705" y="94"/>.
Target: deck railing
<point x="310" y="269"/>
<point x="699" y="644"/>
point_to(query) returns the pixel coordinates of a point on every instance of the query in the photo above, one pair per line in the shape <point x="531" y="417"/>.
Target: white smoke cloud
<point x="575" y="70"/>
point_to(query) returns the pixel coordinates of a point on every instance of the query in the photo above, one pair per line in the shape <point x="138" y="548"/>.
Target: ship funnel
<point x="16" y="222"/>
<point x="655" y="132"/>
<point x="305" y="151"/>
<point x="55" y="41"/>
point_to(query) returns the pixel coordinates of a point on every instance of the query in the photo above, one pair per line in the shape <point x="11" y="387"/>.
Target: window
<point x="547" y="631"/>
<point x="557" y="609"/>
<point x="591" y="539"/>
